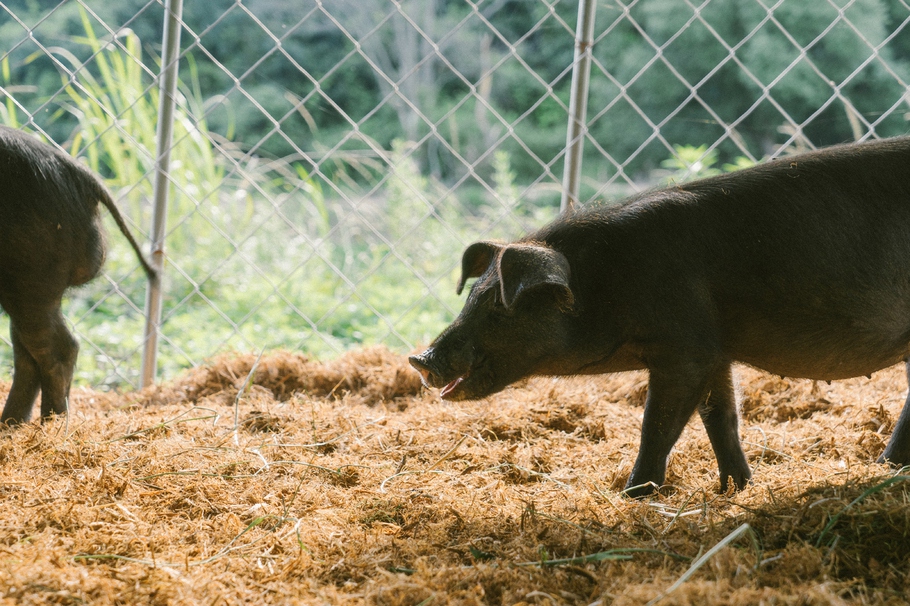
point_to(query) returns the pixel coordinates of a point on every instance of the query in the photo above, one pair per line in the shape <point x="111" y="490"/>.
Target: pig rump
<point x="50" y="240"/>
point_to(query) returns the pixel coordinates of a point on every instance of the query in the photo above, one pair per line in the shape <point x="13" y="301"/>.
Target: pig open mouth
<point x="476" y="383"/>
<point x="451" y="387"/>
<point x="430" y="379"/>
<point x="457" y="382"/>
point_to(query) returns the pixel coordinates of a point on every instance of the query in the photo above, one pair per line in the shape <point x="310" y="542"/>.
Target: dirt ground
<point x="347" y="483"/>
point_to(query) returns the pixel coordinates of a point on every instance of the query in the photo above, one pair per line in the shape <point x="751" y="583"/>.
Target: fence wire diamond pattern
<point x="332" y="158"/>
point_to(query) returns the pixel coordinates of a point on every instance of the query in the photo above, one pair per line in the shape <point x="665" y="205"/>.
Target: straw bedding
<point x="284" y="480"/>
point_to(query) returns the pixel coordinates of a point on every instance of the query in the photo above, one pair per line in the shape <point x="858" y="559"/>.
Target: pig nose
<point x="422" y="365"/>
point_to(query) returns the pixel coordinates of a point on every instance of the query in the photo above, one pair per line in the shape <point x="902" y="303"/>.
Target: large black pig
<point x="50" y="240"/>
<point x="799" y="266"/>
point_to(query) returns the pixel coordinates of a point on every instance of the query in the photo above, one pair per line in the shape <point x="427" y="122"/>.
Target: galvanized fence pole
<point x="166" y="101"/>
<point x="578" y="105"/>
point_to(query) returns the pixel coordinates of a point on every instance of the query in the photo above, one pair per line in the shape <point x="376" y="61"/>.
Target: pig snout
<point x="440" y="373"/>
<point x="423" y="363"/>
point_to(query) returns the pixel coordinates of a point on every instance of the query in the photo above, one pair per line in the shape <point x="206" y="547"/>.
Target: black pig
<point x="50" y="240"/>
<point x="799" y="266"/>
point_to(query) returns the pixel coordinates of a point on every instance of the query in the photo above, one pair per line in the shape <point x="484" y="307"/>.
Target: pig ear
<point x="523" y="268"/>
<point x="475" y="261"/>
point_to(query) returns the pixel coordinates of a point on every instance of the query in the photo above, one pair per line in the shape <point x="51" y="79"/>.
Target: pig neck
<point x="595" y="340"/>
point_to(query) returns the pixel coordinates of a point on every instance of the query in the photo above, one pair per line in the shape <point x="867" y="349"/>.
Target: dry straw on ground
<point x="285" y="481"/>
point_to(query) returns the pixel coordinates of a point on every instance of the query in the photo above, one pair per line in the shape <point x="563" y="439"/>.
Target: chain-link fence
<point x="331" y="159"/>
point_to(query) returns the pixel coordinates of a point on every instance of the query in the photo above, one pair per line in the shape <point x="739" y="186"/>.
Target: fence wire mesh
<point x="332" y="158"/>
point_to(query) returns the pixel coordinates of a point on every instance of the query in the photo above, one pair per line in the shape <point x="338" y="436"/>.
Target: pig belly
<point x="820" y="352"/>
<point x="822" y="369"/>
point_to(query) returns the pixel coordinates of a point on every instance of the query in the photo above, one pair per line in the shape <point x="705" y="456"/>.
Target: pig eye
<point x="495" y="304"/>
<point x="499" y="308"/>
<point x="492" y="300"/>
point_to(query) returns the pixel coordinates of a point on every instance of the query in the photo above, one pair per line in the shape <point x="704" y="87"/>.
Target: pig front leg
<point x="897" y="452"/>
<point x="674" y="393"/>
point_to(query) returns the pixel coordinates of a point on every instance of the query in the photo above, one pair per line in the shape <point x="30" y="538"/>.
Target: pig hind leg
<point x="674" y="392"/>
<point x="26" y="382"/>
<point x="718" y="413"/>
<point x="897" y="452"/>
<point x="43" y="347"/>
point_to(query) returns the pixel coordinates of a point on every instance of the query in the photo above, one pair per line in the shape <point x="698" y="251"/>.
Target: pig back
<point x="800" y="266"/>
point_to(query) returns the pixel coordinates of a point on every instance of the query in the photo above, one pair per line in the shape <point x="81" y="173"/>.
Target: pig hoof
<point x="738" y="482"/>
<point x="13" y="420"/>
<point x="895" y="464"/>
<point x="640" y="490"/>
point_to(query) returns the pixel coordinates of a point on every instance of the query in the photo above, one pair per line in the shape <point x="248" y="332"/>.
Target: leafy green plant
<point x="9" y="113"/>
<point x="691" y="162"/>
<point x="738" y="163"/>
<point x="233" y="219"/>
<point x="697" y="162"/>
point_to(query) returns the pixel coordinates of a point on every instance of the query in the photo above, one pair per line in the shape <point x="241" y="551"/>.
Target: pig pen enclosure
<point x="328" y="162"/>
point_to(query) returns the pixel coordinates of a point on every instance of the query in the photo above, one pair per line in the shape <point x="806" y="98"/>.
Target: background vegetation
<point x="323" y="190"/>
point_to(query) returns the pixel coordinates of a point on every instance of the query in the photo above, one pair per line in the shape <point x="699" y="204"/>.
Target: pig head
<point x="521" y="302"/>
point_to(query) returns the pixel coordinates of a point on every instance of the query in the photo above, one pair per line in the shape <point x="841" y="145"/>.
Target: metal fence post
<point x="578" y="105"/>
<point x="166" y="101"/>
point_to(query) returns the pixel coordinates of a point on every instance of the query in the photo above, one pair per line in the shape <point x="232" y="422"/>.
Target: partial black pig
<point x="799" y="266"/>
<point x="50" y="240"/>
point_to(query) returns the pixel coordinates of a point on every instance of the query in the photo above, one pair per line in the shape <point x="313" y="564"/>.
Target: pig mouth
<point x="470" y="382"/>
<point x="450" y="388"/>
<point x="476" y="383"/>
<point x="431" y="379"/>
